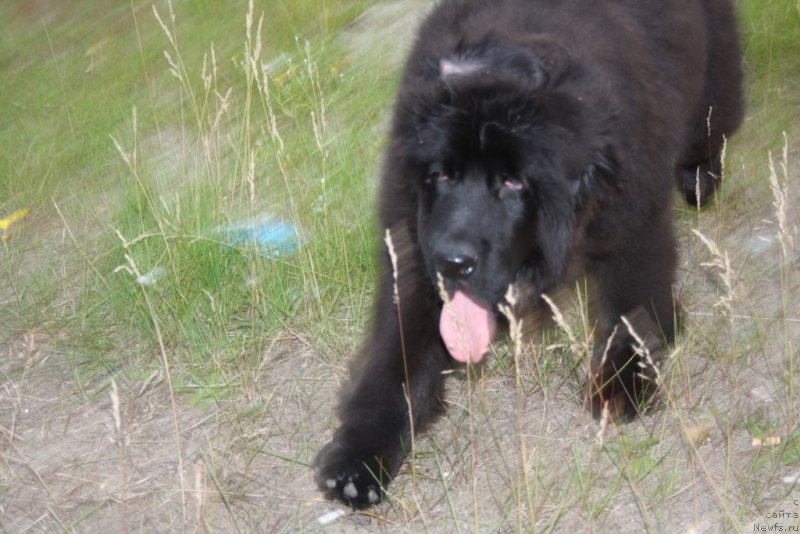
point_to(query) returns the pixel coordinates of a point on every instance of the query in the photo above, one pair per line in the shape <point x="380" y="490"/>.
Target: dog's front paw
<point x="624" y="372"/>
<point x="357" y="479"/>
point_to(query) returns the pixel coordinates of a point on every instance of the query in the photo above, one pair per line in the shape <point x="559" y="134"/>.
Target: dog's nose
<point x="456" y="266"/>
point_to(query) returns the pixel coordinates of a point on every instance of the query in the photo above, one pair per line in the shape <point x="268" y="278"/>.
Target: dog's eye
<point x="510" y="182"/>
<point x="513" y="184"/>
<point x="436" y="174"/>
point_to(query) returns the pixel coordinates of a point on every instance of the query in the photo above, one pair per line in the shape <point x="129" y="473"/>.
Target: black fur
<point x="533" y="141"/>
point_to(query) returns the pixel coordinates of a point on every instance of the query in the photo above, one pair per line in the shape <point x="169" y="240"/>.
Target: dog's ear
<point x="606" y="164"/>
<point x="600" y="172"/>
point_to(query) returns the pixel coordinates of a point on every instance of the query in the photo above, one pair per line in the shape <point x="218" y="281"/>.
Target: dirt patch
<point x="107" y="455"/>
<point x="385" y="31"/>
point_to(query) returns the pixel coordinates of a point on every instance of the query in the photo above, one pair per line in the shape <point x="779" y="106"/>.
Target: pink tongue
<point x="466" y="327"/>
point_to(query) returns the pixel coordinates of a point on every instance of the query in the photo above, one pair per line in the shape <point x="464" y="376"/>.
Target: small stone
<point x="697" y="434"/>
<point x="761" y="394"/>
<point x="324" y="519"/>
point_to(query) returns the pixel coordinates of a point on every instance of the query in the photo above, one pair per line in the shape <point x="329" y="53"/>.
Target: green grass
<point x="769" y="30"/>
<point x="163" y="151"/>
<point x="72" y="90"/>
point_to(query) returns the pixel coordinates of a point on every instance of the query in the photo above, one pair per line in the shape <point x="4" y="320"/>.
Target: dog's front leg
<point x="394" y="391"/>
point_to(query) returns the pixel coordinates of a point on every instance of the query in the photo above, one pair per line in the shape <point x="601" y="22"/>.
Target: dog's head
<point x="504" y="158"/>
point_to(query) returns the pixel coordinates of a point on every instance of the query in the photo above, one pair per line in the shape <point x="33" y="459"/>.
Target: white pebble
<point x="330" y="517"/>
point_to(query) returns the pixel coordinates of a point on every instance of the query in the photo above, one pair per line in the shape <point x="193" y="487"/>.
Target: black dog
<point x="533" y="140"/>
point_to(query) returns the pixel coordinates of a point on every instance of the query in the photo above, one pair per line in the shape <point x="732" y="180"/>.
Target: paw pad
<point x="372" y="496"/>
<point x="350" y="490"/>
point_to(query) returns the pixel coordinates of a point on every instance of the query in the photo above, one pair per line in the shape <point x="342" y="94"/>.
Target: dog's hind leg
<point x="719" y="111"/>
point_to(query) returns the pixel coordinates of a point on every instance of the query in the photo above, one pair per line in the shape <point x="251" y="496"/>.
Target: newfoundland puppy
<point x="533" y="141"/>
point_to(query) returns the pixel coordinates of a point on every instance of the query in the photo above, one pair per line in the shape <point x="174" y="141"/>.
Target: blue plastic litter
<point x="269" y="236"/>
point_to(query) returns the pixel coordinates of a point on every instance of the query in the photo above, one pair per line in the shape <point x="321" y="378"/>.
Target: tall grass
<point x="210" y="137"/>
